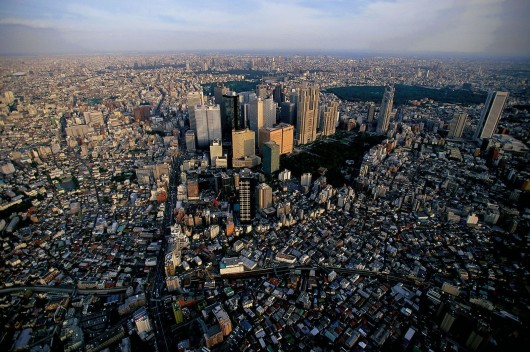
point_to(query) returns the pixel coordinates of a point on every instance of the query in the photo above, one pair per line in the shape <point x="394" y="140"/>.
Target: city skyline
<point x="493" y="27"/>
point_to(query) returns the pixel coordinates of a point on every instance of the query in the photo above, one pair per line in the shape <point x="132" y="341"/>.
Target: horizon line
<point x="278" y="52"/>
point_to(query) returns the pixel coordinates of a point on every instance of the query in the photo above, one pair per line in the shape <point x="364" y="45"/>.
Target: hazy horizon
<point x="484" y="28"/>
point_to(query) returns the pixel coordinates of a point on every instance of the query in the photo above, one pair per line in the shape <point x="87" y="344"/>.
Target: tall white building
<point x="193" y="99"/>
<point x="491" y="114"/>
<point x="262" y="113"/>
<point x="208" y="119"/>
<point x="216" y="151"/>
<point x="456" y="127"/>
<point x="385" y="110"/>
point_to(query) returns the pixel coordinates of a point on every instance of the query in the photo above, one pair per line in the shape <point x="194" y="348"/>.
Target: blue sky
<point x="491" y="27"/>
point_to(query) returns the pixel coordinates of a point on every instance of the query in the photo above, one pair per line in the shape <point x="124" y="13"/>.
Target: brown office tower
<point x="142" y="113"/>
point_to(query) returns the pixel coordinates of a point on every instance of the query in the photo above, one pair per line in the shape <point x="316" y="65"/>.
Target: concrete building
<point x="385" y="110"/>
<point x="282" y="134"/>
<point x="262" y="113"/>
<point x="307" y="114"/>
<point x="264" y="196"/>
<point x="247" y="204"/>
<point x="94" y="118"/>
<point x="231" y="118"/>
<point x="193" y="189"/>
<point x="243" y="143"/>
<point x="271" y="157"/>
<point x="371" y="113"/>
<point x="288" y="113"/>
<point x="142" y="113"/>
<point x="330" y="116"/>
<point x="491" y="114"/>
<point x="216" y="151"/>
<point x="190" y="140"/>
<point x="305" y="180"/>
<point x="193" y="99"/>
<point x="456" y="127"/>
<point x="208" y="119"/>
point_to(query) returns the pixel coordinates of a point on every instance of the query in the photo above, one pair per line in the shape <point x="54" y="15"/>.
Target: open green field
<point x="235" y="86"/>
<point x="405" y="93"/>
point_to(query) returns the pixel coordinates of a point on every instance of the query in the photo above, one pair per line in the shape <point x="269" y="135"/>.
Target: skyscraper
<point x="264" y="196"/>
<point x="208" y="120"/>
<point x="218" y="92"/>
<point x="282" y="134"/>
<point x="491" y="114"/>
<point x="288" y="113"/>
<point x="261" y="90"/>
<point x="278" y="94"/>
<point x="307" y="114"/>
<point x="262" y="113"/>
<point x="247" y="188"/>
<point x="371" y="113"/>
<point x="456" y="127"/>
<point x="330" y="118"/>
<point x="232" y="116"/>
<point x="193" y="99"/>
<point x="190" y="140"/>
<point x="384" y="111"/>
<point x="243" y="143"/>
<point x="305" y="180"/>
<point x="216" y="151"/>
<point x="271" y="157"/>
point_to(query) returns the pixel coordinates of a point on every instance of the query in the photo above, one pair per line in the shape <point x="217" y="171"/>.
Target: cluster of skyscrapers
<point x="486" y="127"/>
<point x="242" y="122"/>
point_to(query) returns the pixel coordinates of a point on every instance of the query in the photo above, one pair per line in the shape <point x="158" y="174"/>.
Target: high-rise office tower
<point x="271" y="157"/>
<point x="456" y="127"/>
<point x="264" y="196"/>
<point x="247" y="188"/>
<point x="385" y="110"/>
<point x="491" y="114"/>
<point x="232" y="116"/>
<point x="243" y="143"/>
<point x="307" y="114"/>
<point x="282" y="134"/>
<point x="278" y="95"/>
<point x="193" y="99"/>
<point x="208" y="120"/>
<point x="216" y="151"/>
<point x="288" y="113"/>
<point x="262" y="113"/>
<point x="371" y="113"/>
<point x="305" y="180"/>
<point x="190" y="140"/>
<point x="330" y="116"/>
<point x="218" y="92"/>
<point x="261" y="91"/>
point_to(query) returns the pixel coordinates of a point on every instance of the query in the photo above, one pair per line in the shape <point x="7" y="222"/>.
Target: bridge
<point x="38" y="288"/>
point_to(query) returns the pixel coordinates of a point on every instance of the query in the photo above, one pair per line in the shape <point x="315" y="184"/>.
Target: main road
<point x="157" y="281"/>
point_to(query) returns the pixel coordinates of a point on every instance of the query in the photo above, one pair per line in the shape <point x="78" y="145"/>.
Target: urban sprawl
<point x="248" y="203"/>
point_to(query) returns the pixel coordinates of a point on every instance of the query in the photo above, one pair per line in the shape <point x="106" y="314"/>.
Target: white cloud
<point x="38" y="24"/>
